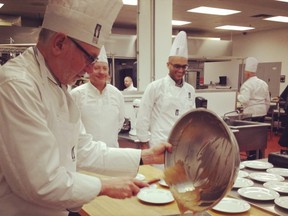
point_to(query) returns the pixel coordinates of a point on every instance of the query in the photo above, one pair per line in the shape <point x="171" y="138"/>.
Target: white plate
<point x="265" y="177"/>
<point x="231" y="205"/>
<point x="280" y="171"/>
<point x="258" y="193"/>
<point x="140" y="177"/>
<point x="241" y="166"/>
<point x="155" y="196"/>
<point x="242" y="182"/>
<point x="242" y="174"/>
<point x="282" y="202"/>
<point x="281" y="187"/>
<point x="163" y="183"/>
<point x="259" y="165"/>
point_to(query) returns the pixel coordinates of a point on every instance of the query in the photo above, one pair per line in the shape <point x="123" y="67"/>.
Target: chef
<point x="101" y="104"/>
<point x="254" y="96"/>
<point x="41" y="146"/>
<point x="167" y="99"/>
<point x="254" y="93"/>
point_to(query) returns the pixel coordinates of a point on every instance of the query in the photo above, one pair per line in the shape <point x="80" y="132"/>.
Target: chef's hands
<point x="121" y="187"/>
<point x="125" y="187"/>
<point x="156" y="154"/>
<point x="144" y="145"/>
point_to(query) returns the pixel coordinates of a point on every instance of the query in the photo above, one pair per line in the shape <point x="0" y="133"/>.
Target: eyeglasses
<point x="91" y="59"/>
<point x="178" y="66"/>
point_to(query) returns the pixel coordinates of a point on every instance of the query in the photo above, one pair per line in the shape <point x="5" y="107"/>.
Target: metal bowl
<point x="204" y="161"/>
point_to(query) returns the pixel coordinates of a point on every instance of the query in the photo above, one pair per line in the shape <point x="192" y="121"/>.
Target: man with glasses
<point x="167" y="99"/>
<point x="43" y="144"/>
<point x="89" y="58"/>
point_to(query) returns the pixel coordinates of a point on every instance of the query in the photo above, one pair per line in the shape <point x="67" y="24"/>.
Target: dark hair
<point x="45" y="34"/>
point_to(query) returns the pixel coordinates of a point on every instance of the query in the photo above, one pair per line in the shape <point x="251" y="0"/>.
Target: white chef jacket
<point x="41" y="145"/>
<point x="130" y="88"/>
<point x="254" y="96"/>
<point x="162" y="104"/>
<point x="102" y="114"/>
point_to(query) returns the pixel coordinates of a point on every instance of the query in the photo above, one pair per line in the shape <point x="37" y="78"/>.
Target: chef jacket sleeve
<point x="97" y="157"/>
<point x="121" y="111"/>
<point x="144" y="113"/>
<point x="244" y="95"/>
<point x="267" y="101"/>
<point x="29" y="153"/>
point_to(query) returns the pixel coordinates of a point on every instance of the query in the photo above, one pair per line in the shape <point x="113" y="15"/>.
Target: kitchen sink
<point x="244" y="124"/>
<point x="250" y="135"/>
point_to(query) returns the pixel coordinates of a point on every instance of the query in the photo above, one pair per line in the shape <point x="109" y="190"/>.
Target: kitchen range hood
<point x="117" y="45"/>
<point x="205" y="50"/>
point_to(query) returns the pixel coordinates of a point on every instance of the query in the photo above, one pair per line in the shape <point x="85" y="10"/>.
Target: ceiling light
<point x="214" y="11"/>
<point x="283" y="0"/>
<point x="278" y="19"/>
<point x="1" y="5"/>
<point x="179" y="22"/>
<point x="234" y="28"/>
<point x="129" y="2"/>
<point x="3" y="23"/>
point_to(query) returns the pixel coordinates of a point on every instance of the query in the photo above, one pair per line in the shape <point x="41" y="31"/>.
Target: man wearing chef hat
<point x="101" y="104"/>
<point x="254" y="95"/>
<point x="166" y="100"/>
<point x="41" y="146"/>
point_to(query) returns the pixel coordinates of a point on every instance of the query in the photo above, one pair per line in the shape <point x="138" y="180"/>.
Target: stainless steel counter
<point x="127" y="141"/>
<point x="215" y="90"/>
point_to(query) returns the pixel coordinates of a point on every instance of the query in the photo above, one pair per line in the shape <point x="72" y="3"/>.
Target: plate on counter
<point x="140" y="177"/>
<point x="258" y="193"/>
<point x="242" y="174"/>
<point x="155" y="196"/>
<point x="163" y="183"/>
<point x="259" y="165"/>
<point x="241" y="166"/>
<point x="265" y="177"/>
<point x="242" y="182"/>
<point x="281" y="187"/>
<point x="282" y="202"/>
<point x="280" y="171"/>
<point x="231" y="205"/>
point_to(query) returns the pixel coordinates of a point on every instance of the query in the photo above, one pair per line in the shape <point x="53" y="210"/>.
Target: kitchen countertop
<point x="216" y="90"/>
<point x="267" y="205"/>
<point x="104" y="205"/>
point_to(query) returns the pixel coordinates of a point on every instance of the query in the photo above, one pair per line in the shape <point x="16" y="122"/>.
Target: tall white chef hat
<point x="179" y="46"/>
<point x="102" y="55"/>
<point x="89" y="21"/>
<point x="251" y="64"/>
